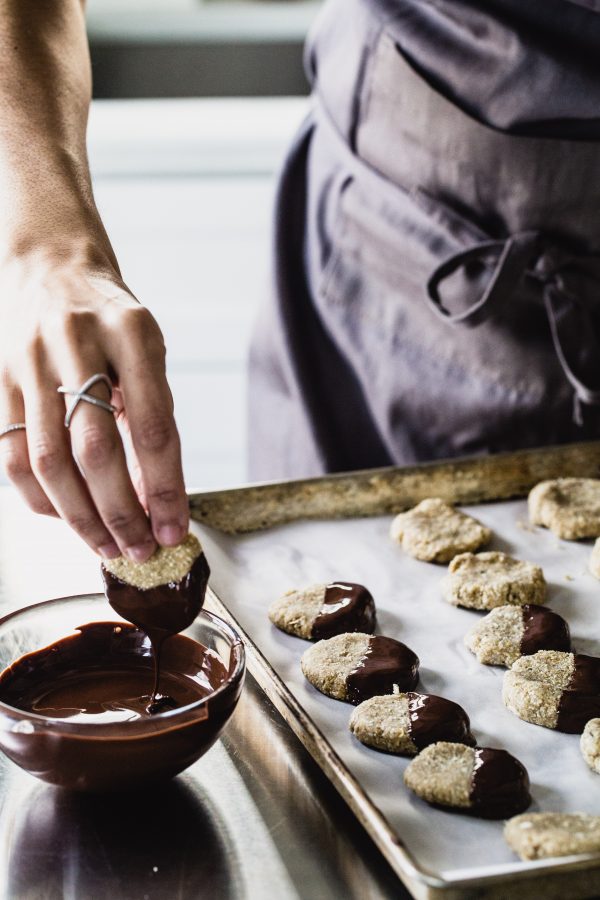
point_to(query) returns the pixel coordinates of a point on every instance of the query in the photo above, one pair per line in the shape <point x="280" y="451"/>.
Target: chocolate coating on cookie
<point x="543" y="630"/>
<point x="387" y="665"/>
<point x="500" y="785"/>
<point x="346" y="607"/>
<point x="435" y="719"/>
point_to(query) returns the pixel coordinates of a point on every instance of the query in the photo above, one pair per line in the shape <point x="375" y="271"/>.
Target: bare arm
<point x="65" y="312"/>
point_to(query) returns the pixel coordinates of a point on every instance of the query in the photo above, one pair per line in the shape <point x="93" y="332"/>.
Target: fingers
<point x="53" y="464"/>
<point x="98" y="448"/>
<point x="14" y="455"/>
<point x="140" y="363"/>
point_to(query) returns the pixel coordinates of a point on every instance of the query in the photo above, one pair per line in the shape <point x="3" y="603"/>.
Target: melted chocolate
<point x="435" y="719"/>
<point x="500" y="785"/>
<point x="161" y="612"/>
<point x="346" y="607"/>
<point x="386" y="664"/>
<point x="575" y="710"/>
<point x="103" y="675"/>
<point x="543" y="630"/>
<point x="586" y="674"/>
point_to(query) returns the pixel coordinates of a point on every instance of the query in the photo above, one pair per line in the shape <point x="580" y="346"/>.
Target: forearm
<point x="45" y="88"/>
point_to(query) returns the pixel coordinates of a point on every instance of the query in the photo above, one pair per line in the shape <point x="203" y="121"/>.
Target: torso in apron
<point x="437" y="281"/>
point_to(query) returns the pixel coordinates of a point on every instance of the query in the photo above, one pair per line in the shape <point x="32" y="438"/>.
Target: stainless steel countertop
<point x="255" y="818"/>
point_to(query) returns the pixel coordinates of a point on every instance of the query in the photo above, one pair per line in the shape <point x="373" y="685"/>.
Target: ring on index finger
<point x="81" y="394"/>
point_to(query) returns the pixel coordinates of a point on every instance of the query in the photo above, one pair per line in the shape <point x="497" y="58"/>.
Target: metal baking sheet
<point x="433" y="851"/>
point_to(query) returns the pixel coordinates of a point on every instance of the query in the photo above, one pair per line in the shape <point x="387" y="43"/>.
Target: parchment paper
<point x="249" y="571"/>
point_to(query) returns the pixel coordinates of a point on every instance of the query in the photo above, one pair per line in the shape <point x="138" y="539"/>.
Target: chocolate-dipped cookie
<point x="546" y="834"/>
<point x="570" y="507"/>
<point x="481" y="781"/>
<point x="406" y="723"/>
<point x="435" y="532"/>
<point x="324" y="610"/>
<point x="554" y="689"/>
<point x="509" y="632"/>
<point x="488" y="580"/>
<point x="354" y="667"/>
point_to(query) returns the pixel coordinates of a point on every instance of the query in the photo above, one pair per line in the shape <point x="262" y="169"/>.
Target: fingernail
<point x="169" y="535"/>
<point x="109" y="551"/>
<point x="140" y="552"/>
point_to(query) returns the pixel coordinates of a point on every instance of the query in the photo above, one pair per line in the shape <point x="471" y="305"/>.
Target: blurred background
<point x="194" y="104"/>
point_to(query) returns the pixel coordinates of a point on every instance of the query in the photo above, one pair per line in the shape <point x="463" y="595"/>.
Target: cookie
<point x="540" y="835"/>
<point x="595" y="560"/>
<point x="167" y="565"/>
<point x="354" y="667"/>
<point x="590" y="744"/>
<point x="407" y="723"/>
<point x="570" y="507"/>
<point x="324" y="610"/>
<point x="509" y="632"/>
<point x="554" y="689"/>
<point x="480" y="781"/>
<point x="488" y="580"/>
<point x="435" y="532"/>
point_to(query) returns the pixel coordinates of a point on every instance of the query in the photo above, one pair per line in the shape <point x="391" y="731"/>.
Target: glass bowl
<point x="112" y="756"/>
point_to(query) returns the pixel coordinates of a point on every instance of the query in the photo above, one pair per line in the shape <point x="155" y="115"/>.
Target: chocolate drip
<point x="104" y="673"/>
<point x="575" y="710"/>
<point x="346" y="607"/>
<point x="543" y="630"/>
<point x="500" y="785"/>
<point x="387" y="664"/>
<point x="435" y="719"/>
<point x="160" y="611"/>
<point x="586" y="674"/>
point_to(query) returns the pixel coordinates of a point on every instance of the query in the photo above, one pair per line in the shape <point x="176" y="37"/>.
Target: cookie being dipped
<point x="554" y="689"/>
<point x="325" y="610"/>
<point x="162" y="595"/>
<point x="488" y="580"/>
<point x="354" y="667"/>
<point x="406" y="723"/>
<point x="434" y="531"/>
<point x="480" y="781"/>
<point x="508" y="632"/>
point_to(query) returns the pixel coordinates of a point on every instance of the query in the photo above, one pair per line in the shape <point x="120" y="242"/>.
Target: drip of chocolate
<point x="161" y="612"/>
<point x="387" y="664"/>
<point x="435" y="719"/>
<point x="346" y="607"/>
<point x="575" y="710"/>
<point x="586" y="674"/>
<point x="104" y="673"/>
<point x="500" y="785"/>
<point x="543" y="630"/>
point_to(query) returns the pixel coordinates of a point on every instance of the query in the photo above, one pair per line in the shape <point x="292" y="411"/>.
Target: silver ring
<point x="18" y="426"/>
<point x="81" y="394"/>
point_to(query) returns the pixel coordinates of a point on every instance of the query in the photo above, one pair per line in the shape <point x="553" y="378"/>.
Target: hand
<point x="63" y="320"/>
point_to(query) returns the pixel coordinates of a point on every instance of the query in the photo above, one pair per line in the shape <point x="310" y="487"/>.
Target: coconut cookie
<point x="554" y="689"/>
<point x="570" y="507"/>
<point x="324" y="610"/>
<point x="435" y="532"/>
<point x="407" y="723"/>
<point x="595" y="560"/>
<point x="509" y="632"/>
<point x="481" y="781"/>
<point x="590" y="744"/>
<point x="354" y="667"/>
<point x="540" y="835"/>
<point x="488" y="580"/>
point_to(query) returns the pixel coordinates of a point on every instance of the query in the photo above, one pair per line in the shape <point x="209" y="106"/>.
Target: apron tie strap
<point x="524" y="255"/>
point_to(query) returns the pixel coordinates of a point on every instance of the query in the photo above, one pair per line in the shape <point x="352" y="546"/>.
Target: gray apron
<point x="436" y="280"/>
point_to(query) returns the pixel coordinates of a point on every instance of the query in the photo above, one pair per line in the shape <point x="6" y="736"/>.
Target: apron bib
<point x="437" y="281"/>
